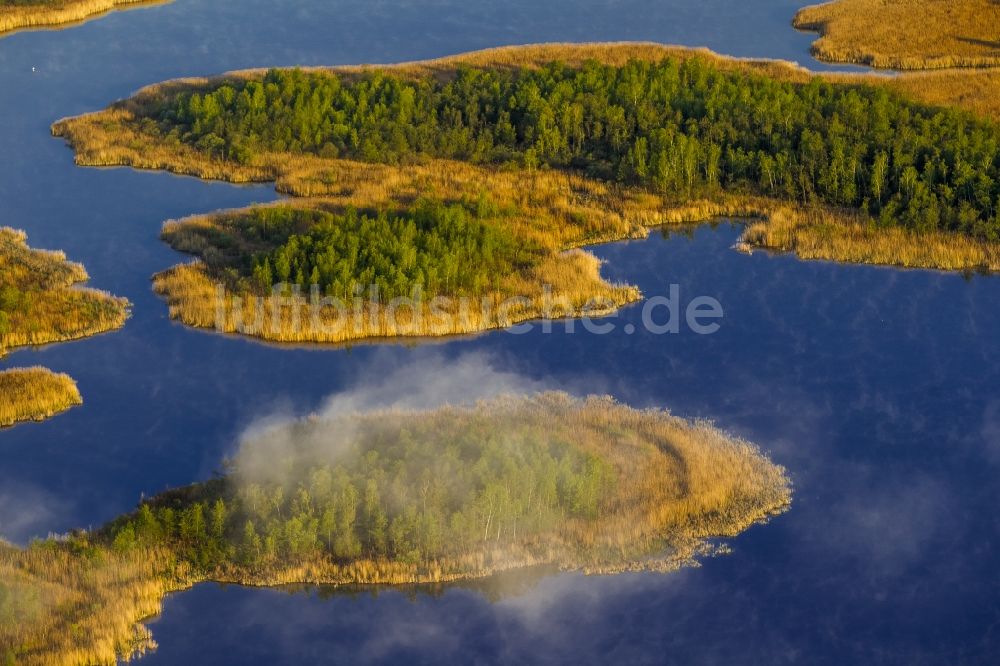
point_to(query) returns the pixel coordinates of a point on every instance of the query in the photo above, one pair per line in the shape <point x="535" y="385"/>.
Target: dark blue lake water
<point x="878" y="389"/>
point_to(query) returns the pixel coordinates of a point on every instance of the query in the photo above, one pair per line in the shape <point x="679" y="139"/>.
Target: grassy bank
<point x="224" y="241"/>
<point x="35" y="394"/>
<point x="394" y="497"/>
<point x="905" y="34"/>
<point x="24" y="14"/>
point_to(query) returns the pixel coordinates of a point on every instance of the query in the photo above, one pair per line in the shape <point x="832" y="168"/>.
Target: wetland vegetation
<point x="35" y="394"/>
<point x="906" y="34"/>
<point x="595" y="146"/>
<point x="41" y="303"/>
<point x="397" y="496"/>
<point x="474" y="177"/>
<point x="19" y="14"/>
<point x="423" y="270"/>
<point x="955" y="43"/>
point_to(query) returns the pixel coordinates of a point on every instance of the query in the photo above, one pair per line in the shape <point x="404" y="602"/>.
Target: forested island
<point x="906" y="34"/>
<point x="422" y="269"/>
<point x="41" y="303"/>
<point x="20" y="14"/>
<point x="549" y="153"/>
<point x="397" y="496"/>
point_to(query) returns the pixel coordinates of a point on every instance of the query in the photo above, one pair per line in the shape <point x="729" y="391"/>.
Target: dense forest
<point x="442" y="249"/>
<point x="679" y="128"/>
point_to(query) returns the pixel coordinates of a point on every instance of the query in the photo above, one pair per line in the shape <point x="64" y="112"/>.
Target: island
<point x="905" y="34"/>
<point x="25" y="14"/>
<point x="317" y="272"/>
<point x="397" y="496"/>
<point x="535" y="151"/>
<point x="35" y="394"/>
<point x="41" y="303"/>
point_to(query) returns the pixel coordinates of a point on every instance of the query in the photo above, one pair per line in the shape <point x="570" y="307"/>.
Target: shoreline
<point x="944" y="86"/>
<point x="69" y="13"/>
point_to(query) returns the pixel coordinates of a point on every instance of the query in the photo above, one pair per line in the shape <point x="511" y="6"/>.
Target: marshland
<point x="905" y="34"/>
<point x="557" y="155"/>
<point x="41" y="303"/>
<point x="35" y="394"/>
<point x="397" y="496"/>
<point x="840" y="372"/>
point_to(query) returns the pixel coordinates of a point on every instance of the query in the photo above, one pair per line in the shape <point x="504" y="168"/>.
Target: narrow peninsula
<point x="27" y="14"/>
<point x="533" y="152"/>
<point x="41" y="303"/>
<point x="393" y="497"/>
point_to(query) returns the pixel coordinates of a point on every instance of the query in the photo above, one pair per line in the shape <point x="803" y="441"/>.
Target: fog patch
<point x="889" y="524"/>
<point x="24" y="509"/>
<point x="278" y="444"/>
<point x="990" y="432"/>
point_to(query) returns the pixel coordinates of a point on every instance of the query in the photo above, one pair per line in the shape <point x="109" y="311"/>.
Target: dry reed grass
<point x="826" y="235"/>
<point x="51" y="308"/>
<point x="970" y="90"/>
<point x="35" y="394"/>
<point x="59" y="12"/>
<point x="555" y="211"/>
<point x="551" y="209"/>
<point x="905" y="34"/>
<point x="973" y="90"/>
<point x="61" y="607"/>
<point x="577" y="289"/>
<point x="39" y="304"/>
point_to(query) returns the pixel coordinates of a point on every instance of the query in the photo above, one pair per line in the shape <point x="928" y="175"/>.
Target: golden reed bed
<point x="41" y="302"/>
<point x="905" y="34"/>
<point x="35" y="394"/>
<point x="59" y="12"/>
<point x="42" y="299"/>
<point x="552" y="202"/>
